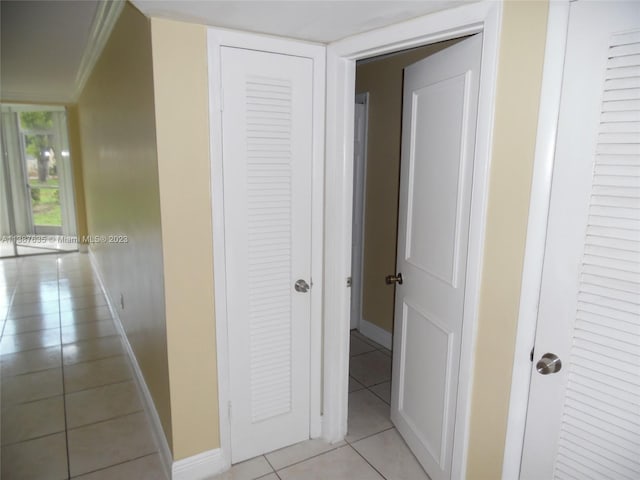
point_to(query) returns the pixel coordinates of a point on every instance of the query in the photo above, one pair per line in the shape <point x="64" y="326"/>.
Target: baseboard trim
<point x="199" y="467"/>
<point x="149" y="406"/>
<point x="377" y="334"/>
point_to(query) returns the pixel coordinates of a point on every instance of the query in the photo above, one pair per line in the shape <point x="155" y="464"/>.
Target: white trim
<point x="376" y="333"/>
<point x="360" y="189"/>
<point x="104" y="20"/>
<point x="217" y="38"/>
<point x="548" y="113"/>
<point x="152" y="414"/>
<point x="199" y="467"/>
<point x="468" y="19"/>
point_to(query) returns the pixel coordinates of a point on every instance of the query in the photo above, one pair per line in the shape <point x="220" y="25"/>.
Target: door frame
<point x="539" y="203"/>
<point x="341" y="59"/>
<point x="216" y="39"/>
<point x="360" y="190"/>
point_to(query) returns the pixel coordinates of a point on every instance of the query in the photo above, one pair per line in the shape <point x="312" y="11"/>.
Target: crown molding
<point x="106" y="16"/>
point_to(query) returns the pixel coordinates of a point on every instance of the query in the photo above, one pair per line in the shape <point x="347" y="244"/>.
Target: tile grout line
<point x="368" y="462"/>
<point x="9" y="306"/>
<point x="62" y="361"/>
<point x="272" y="468"/>
<point x="115" y="465"/>
<point x="100" y="386"/>
<point x="76" y="324"/>
<point x="382" y="399"/>
<point x="306" y="459"/>
<point x="64" y="390"/>
<point x="350" y="443"/>
<point x="13" y="405"/>
<point x="26" y="440"/>
<point x="105" y="420"/>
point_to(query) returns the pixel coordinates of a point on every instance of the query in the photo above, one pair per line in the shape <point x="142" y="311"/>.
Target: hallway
<point x="70" y="406"/>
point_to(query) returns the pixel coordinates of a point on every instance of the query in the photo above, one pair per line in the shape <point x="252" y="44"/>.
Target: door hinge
<point x="348" y="281"/>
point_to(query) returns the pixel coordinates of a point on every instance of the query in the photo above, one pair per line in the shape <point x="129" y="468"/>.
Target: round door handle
<point x="549" y="363"/>
<point x="301" y="286"/>
<point x="391" y="279"/>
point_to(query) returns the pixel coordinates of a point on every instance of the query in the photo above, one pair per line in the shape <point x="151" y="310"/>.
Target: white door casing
<point x="267" y="163"/>
<point x="582" y="421"/>
<point x="359" y="187"/>
<point x="536" y="234"/>
<point x="438" y="139"/>
<point x="468" y="19"/>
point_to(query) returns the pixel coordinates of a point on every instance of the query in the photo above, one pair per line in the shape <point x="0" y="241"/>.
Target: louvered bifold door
<point x="267" y="154"/>
<point x="600" y="430"/>
<point x="584" y="420"/>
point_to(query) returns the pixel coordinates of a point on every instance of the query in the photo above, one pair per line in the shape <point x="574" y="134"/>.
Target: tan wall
<point x="120" y="166"/>
<point x="75" y="150"/>
<point x="383" y="80"/>
<point x="143" y="120"/>
<point x="181" y="102"/>
<point x="518" y="95"/>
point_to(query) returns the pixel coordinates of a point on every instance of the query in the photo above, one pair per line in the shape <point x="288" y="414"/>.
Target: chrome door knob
<point x="301" y="286"/>
<point x="549" y="363"/>
<point x="391" y="279"/>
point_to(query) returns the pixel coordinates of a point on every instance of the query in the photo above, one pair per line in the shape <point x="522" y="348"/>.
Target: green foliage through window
<point x="37" y="122"/>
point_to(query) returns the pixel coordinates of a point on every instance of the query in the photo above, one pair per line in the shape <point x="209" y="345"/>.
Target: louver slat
<point x="268" y="140"/>
<point x="600" y="431"/>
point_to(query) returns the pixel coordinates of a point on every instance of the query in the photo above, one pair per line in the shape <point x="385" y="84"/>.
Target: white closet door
<point x="267" y="154"/>
<point x="583" y="420"/>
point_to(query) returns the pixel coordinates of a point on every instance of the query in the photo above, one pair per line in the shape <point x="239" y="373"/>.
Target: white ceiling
<point x="42" y="42"/>
<point x="313" y="20"/>
<point x="41" y="47"/>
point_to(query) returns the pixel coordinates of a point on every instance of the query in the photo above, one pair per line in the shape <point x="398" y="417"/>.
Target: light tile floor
<point x="70" y="407"/>
<point x="373" y="449"/>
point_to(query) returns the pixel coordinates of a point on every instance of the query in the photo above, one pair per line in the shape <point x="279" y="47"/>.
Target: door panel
<point x="423" y="404"/>
<point x="439" y="119"/>
<point x="435" y="208"/>
<point x="267" y="155"/>
<point x="582" y="421"/>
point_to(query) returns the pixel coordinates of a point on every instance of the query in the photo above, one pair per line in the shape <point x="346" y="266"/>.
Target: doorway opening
<point x="37" y="212"/>
<point x="389" y="213"/>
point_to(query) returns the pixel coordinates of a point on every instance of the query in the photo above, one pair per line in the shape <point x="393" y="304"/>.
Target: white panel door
<point x="267" y="140"/>
<point x="439" y="123"/>
<point x="583" y="421"/>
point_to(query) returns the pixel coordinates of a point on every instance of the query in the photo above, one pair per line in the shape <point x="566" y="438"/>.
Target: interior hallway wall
<point x="383" y="80"/>
<point x="116" y="115"/>
<point x="522" y="45"/>
<point x="181" y="89"/>
<point x="144" y="131"/>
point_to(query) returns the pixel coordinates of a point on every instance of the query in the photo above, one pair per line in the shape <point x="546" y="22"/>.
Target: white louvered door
<point x="583" y="422"/>
<point x="267" y="158"/>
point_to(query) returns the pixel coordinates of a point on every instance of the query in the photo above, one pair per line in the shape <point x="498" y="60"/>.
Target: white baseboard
<point x="199" y="467"/>
<point x="377" y="334"/>
<point x="150" y="408"/>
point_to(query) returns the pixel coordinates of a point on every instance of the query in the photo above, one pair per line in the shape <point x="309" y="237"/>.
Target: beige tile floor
<point x="70" y="407"/>
<point x="373" y="449"/>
